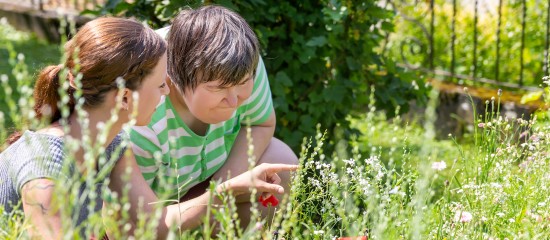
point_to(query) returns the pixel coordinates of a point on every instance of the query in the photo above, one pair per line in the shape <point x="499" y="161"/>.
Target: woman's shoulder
<point x="32" y="146"/>
<point x="118" y="146"/>
<point x="32" y="142"/>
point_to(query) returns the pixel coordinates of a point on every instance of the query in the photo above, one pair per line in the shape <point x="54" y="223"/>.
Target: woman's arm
<point x="139" y="192"/>
<point x="44" y="217"/>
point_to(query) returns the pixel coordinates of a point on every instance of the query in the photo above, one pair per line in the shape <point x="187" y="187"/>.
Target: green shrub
<point x="322" y="57"/>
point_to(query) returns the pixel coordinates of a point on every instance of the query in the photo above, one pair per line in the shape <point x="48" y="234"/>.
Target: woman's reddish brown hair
<point x="102" y="50"/>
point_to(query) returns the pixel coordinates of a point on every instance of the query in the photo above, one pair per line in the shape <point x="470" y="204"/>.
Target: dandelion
<point x="463" y="217"/>
<point x="438" y="166"/>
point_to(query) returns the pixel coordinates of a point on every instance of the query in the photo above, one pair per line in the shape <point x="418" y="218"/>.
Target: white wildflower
<point x="438" y="166"/>
<point x="463" y="217"/>
<point x="394" y="190"/>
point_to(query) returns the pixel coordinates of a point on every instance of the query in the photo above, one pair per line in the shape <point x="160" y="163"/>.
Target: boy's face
<point x="211" y="103"/>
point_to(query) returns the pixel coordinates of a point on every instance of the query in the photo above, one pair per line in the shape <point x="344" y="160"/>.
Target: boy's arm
<point x="237" y="161"/>
<point x="188" y="214"/>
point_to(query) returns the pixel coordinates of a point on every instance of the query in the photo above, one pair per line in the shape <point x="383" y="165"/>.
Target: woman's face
<point x="210" y="103"/>
<point x="152" y="89"/>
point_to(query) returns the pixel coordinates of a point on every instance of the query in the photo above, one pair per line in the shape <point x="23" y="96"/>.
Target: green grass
<point x="17" y="47"/>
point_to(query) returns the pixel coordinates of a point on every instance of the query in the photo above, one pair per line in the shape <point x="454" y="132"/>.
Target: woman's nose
<point x="165" y="90"/>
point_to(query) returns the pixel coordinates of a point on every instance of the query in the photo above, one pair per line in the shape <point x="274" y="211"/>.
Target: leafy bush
<point x="322" y="57"/>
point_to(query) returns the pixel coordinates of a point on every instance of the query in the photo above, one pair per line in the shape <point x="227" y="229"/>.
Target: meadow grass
<point x="395" y="180"/>
<point x="22" y="56"/>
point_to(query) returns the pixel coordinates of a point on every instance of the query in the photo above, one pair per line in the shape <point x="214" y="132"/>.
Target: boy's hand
<point x="263" y="177"/>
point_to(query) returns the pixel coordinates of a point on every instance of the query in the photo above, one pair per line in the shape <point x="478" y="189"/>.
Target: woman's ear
<point x="125" y="98"/>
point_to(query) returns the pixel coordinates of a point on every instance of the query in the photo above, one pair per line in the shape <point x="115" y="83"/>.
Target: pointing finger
<point x="281" y="167"/>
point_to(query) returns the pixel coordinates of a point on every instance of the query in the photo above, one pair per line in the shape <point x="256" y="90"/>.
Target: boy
<point x="218" y="83"/>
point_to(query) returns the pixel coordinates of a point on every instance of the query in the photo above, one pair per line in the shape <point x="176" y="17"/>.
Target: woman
<point x="36" y="164"/>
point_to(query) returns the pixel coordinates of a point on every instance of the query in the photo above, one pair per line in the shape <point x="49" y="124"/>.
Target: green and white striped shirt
<point x="173" y="158"/>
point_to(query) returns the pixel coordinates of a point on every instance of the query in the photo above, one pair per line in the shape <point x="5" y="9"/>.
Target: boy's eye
<point x="216" y="88"/>
<point x="244" y="82"/>
<point x="162" y="85"/>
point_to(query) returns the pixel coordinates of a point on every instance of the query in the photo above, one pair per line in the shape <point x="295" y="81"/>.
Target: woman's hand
<point x="263" y="177"/>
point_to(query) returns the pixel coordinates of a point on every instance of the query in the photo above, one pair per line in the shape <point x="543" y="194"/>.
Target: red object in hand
<point x="272" y="200"/>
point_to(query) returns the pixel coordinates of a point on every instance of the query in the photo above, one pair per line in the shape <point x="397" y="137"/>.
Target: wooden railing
<point x="43" y="17"/>
<point x="63" y="5"/>
<point x="50" y="7"/>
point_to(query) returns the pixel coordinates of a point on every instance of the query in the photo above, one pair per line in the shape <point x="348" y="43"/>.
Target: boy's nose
<point x="232" y="100"/>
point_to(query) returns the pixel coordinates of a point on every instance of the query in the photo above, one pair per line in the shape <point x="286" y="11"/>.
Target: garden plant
<point x="387" y="178"/>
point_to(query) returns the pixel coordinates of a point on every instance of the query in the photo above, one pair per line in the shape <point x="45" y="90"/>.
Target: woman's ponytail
<point x="46" y="97"/>
<point x="46" y="94"/>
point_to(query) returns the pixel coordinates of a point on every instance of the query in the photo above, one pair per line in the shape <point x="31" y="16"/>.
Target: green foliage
<point x="322" y="57"/>
<point x="412" y="43"/>
<point x="22" y="55"/>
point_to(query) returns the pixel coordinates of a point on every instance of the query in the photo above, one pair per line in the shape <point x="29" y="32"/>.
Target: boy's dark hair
<point x="208" y="44"/>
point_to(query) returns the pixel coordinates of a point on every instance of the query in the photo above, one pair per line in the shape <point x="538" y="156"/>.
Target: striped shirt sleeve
<point x="145" y="145"/>
<point x="259" y="105"/>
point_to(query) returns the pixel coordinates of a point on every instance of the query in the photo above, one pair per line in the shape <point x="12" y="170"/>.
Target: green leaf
<point x="317" y="41"/>
<point x="111" y="4"/>
<point x="334" y="94"/>
<point x="305" y="55"/>
<point x="352" y="63"/>
<point x="282" y="78"/>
